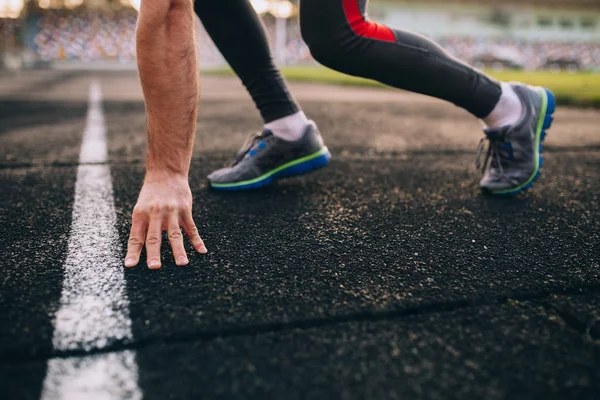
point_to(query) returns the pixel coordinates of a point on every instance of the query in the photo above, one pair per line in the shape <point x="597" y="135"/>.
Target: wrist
<point x="160" y="174"/>
<point x="172" y="166"/>
<point x="168" y="156"/>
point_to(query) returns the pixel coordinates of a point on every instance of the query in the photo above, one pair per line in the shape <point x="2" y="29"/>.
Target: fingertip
<point x="154" y="264"/>
<point x="202" y="249"/>
<point x="130" y="262"/>
<point x="182" y="261"/>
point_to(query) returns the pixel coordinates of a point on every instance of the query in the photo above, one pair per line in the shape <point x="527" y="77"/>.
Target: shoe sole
<point x="296" y="167"/>
<point x="544" y="123"/>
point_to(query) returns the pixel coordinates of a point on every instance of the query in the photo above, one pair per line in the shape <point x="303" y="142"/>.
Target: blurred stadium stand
<point x="520" y="34"/>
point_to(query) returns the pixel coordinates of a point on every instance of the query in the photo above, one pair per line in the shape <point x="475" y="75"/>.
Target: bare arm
<point x="168" y="69"/>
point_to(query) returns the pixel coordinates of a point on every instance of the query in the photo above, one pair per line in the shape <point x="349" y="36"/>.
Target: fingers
<point x="153" y="240"/>
<point x="137" y="236"/>
<point x="192" y="232"/>
<point x="148" y="224"/>
<point x="176" y="239"/>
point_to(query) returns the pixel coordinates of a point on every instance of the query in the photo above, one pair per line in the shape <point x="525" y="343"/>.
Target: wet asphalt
<point x="385" y="275"/>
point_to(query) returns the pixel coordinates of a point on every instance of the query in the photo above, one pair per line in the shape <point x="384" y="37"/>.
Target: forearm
<point x="168" y="69"/>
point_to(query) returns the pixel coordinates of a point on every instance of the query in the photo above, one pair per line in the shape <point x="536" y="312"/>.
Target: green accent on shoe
<point x="538" y="133"/>
<point x="309" y="157"/>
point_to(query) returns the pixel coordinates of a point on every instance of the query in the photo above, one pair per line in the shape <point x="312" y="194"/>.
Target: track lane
<point x="371" y="232"/>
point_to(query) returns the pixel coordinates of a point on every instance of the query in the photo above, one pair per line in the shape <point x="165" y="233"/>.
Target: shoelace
<point x="251" y="140"/>
<point x="493" y="152"/>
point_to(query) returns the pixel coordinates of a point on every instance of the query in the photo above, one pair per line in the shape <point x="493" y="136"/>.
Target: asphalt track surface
<point x="386" y="275"/>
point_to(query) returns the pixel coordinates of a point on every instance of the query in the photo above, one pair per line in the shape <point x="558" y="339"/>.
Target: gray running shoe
<point x="514" y="153"/>
<point x="265" y="158"/>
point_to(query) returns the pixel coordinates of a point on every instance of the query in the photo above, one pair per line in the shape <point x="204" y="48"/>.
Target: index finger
<point x="137" y="237"/>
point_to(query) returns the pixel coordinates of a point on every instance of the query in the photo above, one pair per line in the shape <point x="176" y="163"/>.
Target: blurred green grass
<point x="577" y="89"/>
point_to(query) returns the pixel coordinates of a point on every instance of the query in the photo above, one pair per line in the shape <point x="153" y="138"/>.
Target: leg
<point x="239" y="35"/>
<point x="341" y="37"/>
<point x="289" y="144"/>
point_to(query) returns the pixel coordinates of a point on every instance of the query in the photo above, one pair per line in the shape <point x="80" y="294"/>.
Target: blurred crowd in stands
<point x="528" y="55"/>
<point x="87" y="36"/>
<point x="111" y="36"/>
<point x="9" y="32"/>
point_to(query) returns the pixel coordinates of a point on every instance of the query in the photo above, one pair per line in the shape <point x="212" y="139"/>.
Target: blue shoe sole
<point x="293" y="170"/>
<point x="548" y="119"/>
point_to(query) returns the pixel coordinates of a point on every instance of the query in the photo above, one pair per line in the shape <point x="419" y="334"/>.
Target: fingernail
<point x="203" y="249"/>
<point x="182" y="261"/>
<point x="130" y="262"/>
<point x="154" y="264"/>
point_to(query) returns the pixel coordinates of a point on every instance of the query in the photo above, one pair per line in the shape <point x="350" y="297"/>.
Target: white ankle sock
<point x="289" y="128"/>
<point x="507" y="111"/>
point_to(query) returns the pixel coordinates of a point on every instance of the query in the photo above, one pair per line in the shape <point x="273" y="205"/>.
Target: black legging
<point x="340" y="37"/>
<point x="240" y="37"/>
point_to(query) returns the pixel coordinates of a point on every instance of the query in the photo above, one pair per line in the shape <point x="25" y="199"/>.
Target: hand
<point x="164" y="204"/>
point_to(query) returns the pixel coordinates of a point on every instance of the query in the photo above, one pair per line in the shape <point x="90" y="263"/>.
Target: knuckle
<point x="172" y="206"/>
<point x="175" y="235"/>
<point x="194" y="232"/>
<point x="155" y="208"/>
<point x="134" y="241"/>
<point x="138" y="211"/>
<point x="153" y="240"/>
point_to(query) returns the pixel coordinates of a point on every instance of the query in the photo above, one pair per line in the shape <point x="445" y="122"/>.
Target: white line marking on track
<point x="94" y="308"/>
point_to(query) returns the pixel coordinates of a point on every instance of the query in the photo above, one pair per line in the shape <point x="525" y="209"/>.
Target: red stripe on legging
<point x="365" y="28"/>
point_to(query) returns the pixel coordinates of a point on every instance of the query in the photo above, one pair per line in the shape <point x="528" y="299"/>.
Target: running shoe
<point x="265" y="158"/>
<point x="514" y="153"/>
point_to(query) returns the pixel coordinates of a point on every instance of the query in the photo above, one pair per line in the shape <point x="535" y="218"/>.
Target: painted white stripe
<point x="94" y="309"/>
<point x="93" y="147"/>
<point x="111" y="376"/>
